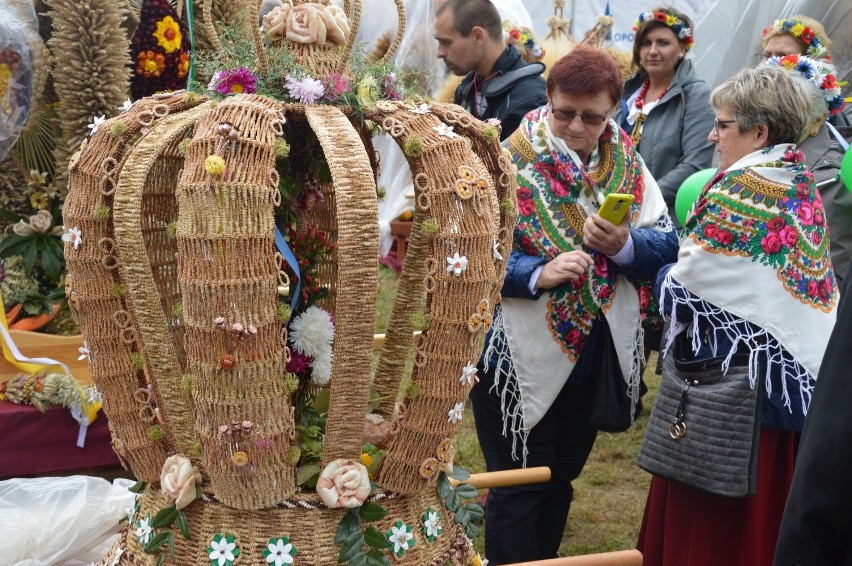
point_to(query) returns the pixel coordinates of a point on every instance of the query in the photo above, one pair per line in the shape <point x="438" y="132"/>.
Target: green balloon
<point x="846" y="169"/>
<point x="688" y="192"/>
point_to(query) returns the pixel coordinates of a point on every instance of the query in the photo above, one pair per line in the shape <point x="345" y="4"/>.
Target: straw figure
<point x="240" y="226"/>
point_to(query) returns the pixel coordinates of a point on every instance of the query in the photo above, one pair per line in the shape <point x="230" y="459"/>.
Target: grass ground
<point x="609" y="496"/>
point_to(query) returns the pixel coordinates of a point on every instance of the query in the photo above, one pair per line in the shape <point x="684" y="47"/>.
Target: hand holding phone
<point x="615" y="207"/>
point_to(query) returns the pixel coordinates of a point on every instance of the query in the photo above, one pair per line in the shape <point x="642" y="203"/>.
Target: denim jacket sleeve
<point x="519" y="270"/>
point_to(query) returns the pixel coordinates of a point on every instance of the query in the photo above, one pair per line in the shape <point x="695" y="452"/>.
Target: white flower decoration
<point x="456" y="264"/>
<point x="312" y="334"/>
<point x="126" y="106"/>
<point x="37" y="178"/>
<point x="97" y="122"/>
<point x="469" y="376"/>
<point x="431" y="525"/>
<point x="74" y="236"/>
<point x="222" y="551"/>
<point x="84" y="351"/>
<point x="117" y="556"/>
<point x="456" y="413"/>
<point x="279" y="553"/>
<point x="421" y="109"/>
<point x="143" y="530"/>
<point x="495" y="249"/>
<point x="495" y="121"/>
<point x="445" y="131"/>
<point x="400" y="537"/>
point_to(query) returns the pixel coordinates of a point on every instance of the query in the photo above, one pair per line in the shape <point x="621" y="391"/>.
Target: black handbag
<point x="704" y="430"/>
<point x="612" y="409"/>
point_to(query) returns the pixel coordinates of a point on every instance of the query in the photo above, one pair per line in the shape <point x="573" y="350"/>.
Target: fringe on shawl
<point x="759" y="341"/>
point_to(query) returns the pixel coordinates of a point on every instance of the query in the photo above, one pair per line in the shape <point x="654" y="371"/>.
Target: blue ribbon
<point x="291" y="260"/>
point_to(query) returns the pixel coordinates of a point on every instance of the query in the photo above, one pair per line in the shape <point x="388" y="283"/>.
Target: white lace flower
<point x="421" y="109"/>
<point x="279" y="553"/>
<point x="456" y="264"/>
<point x="222" y="551"/>
<point x="495" y="249"/>
<point x="400" y="537"/>
<point x="117" y="556"/>
<point x="126" y="106"/>
<point x="74" y="236"/>
<point x="456" y="413"/>
<point x="469" y="376"/>
<point x="495" y="121"/>
<point x="97" y="122"/>
<point x="84" y="351"/>
<point x="445" y="131"/>
<point x="431" y="525"/>
<point x="37" y="178"/>
<point x="143" y="530"/>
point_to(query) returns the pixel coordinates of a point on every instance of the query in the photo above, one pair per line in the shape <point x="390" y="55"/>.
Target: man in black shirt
<point x="498" y="83"/>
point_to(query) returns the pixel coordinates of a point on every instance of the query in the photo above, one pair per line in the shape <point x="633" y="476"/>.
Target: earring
<point x="680" y="57"/>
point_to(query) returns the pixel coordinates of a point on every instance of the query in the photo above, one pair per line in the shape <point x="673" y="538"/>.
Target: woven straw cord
<point x="468" y="227"/>
<point x="227" y="268"/>
<point x="357" y="257"/>
<point x="400" y="31"/>
<point x="308" y="525"/>
<point x="143" y="172"/>
<point x="96" y="285"/>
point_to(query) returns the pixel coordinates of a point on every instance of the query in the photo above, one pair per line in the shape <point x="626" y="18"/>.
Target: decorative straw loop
<point x="146" y="414"/>
<point x="430" y="283"/>
<point x="450" y="117"/>
<point x="122" y="318"/>
<point x="108" y="165"/>
<point x="110" y="262"/>
<point x="262" y="58"/>
<point x="107" y="186"/>
<point x="424" y="202"/>
<point x="142" y="395"/>
<point x="431" y="266"/>
<point x="503" y="180"/>
<point x="400" y="31"/>
<point x="387" y="106"/>
<point x="464" y="120"/>
<point x="160" y="110"/>
<point x="421" y="181"/>
<point x="128" y="335"/>
<point x="106" y="245"/>
<point x="420" y="359"/>
<point x="274" y="178"/>
<point x="146" y="117"/>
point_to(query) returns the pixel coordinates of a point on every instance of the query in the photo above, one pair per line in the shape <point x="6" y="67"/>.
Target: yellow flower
<point x="671" y="20"/>
<point x="368" y="91"/>
<point x="214" y="165"/>
<point x="150" y="64"/>
<point x="183" y="65"/>
<point x="366" y="459"/>
<point x="168" y="34"/>
<point x="798" y="29"/>
<point x="39" y="201"/>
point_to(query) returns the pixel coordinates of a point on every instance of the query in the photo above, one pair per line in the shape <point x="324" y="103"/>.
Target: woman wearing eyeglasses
<point x="572" y="282"/>
<point x="665" y="107"/>
<point x="753" y="288"/>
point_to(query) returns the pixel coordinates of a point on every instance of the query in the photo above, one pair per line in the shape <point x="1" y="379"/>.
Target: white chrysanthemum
<point x="321" y="365"/>
<point x="312" y="332"/>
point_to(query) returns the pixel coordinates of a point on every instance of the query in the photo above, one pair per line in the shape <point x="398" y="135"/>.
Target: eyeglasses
<point x="588" y="119"/>
<point x="716" y="123"/>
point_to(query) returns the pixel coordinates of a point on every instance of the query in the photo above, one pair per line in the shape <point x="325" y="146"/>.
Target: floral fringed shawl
<point x="538" y="342"/>
<point x="755" y="262"/>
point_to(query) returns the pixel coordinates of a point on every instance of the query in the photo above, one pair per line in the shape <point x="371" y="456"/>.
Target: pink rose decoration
<point x="771" y="243"/>
<point x="789" y="236"/>
<point x="178" y="480"/>
<point x="813" y="289"/>
<point x="275" y="22"/>
<point x="315" y="23"/>
<point x="776" y="224"/>
<point x="604" y="292"/>
<point x="725" y="237"/>
<point x="601" y="266"/>
<point x="711" y="230"/>
<point x="344" y="483"/>
<point x="806" y="214"/>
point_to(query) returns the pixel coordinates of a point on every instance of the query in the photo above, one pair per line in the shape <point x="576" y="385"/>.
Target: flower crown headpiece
<point x="517" y="35"/>
<point x="819" y="72"/>
<point x="680" y="29"/>
<point x="801" y="32"/>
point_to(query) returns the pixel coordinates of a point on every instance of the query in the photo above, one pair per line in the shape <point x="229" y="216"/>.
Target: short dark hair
<point x="586" y="71"/>
<point x="653" y="23"/>
<point x="468" y="14"/>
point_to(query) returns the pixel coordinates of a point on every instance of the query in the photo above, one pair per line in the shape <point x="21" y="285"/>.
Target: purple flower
<point x="390" y="88"/>
<point x="336" y="85"/>
<point x="233" y="81"/>
<point x="306" y="90"/>
<point x="299" y="363"/>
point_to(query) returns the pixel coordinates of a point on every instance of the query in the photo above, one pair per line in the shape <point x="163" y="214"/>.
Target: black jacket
<point x="514" y="89"/>
<point x="818" y="516"/>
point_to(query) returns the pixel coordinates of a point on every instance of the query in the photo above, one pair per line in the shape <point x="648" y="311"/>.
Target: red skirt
<point x="686" y="527"/>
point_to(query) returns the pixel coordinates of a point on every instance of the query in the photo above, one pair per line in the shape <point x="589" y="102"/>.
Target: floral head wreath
<point x="517" y="35"/>
<point x="801" y="32"/>
<point x="680" y="29"/>
<point x="819" y="72"/>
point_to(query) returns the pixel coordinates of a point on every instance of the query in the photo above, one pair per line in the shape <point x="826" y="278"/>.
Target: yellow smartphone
<point x="615" y="206"/>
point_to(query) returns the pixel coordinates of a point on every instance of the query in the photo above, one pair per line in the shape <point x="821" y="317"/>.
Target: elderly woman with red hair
<point x="574" y="283"/>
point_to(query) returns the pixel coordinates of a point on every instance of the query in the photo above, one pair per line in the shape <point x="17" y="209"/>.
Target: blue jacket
<point x="773" y="412"/>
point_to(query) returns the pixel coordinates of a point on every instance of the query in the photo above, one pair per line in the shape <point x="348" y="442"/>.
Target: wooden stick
<point x="507" y="477"/>
<point x="619" y="558"/>
<point x="379" y="339"/>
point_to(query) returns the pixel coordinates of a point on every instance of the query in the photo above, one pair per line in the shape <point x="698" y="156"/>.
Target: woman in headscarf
<point x="753" y="287"/>
<point x="571" y="280"/>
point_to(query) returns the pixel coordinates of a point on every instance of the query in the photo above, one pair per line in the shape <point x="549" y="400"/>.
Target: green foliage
<point x="42" y="252"/>
<point x="467" y="515"/>
<point x="354" y="537"/>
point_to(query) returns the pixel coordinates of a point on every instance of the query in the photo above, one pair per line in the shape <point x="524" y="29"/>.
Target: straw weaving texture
<point x="309" y="526"/>
<point x="454" y="190"/>
<point x="144" y="204"/>
<point x="96" y="287"/>
<point x="91" y="72"/>
<point x="226" y="268"/>
<point x="357" y="251"/>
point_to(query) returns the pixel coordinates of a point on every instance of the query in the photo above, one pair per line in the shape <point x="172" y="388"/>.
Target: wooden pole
<point x="619" y="558"/>
<point x="507" y="477"/>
